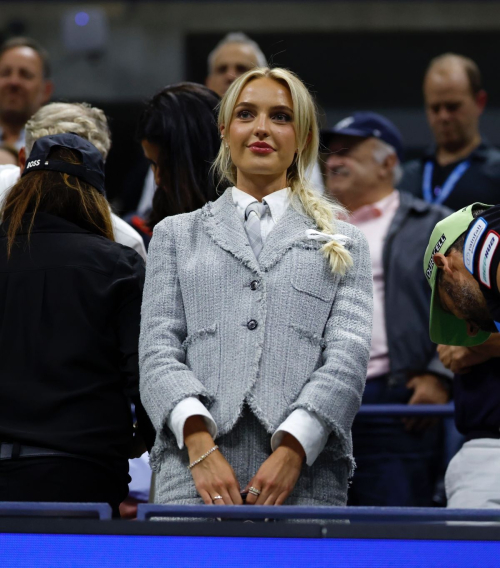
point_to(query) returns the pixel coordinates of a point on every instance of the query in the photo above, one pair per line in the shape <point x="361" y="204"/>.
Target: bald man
<point x="234" y="55"/>
<point x="461" y="168"/>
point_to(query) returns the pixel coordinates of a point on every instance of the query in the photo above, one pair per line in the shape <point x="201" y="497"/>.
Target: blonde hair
<point x="321" y="209"/>
<point x="81" y="118"/>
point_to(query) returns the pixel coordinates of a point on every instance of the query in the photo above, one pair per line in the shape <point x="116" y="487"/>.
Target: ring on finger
<point x="215" y="497"/>
<point x="254" y="491"/>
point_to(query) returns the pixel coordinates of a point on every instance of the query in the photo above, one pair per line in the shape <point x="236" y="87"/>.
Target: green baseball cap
<point x="444" y="327"/>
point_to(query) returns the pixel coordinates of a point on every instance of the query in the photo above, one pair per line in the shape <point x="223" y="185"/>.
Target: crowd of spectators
<point x="394" y="204"/>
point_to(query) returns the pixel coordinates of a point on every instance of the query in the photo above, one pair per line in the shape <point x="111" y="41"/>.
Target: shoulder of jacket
<point x="98" y="253"/>
<point x="492" y="153"/>
<point x="182" y="222"/>
<point x="416" y="205"/>
<point x="113" y="249"/>
<point x="129" y="255"/>
<point x="347" y="229"/>
<point x="412" y="166"/>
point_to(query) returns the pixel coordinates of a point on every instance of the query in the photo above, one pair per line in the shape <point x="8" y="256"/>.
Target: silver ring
<point x="215" y="497"/>
<point x="254" y="491"/>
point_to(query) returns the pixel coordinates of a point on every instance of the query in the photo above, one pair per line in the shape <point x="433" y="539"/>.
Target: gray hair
<point x="81" y="118"/>
<point x="237" y="37"/>
<point x="383" y="151"/>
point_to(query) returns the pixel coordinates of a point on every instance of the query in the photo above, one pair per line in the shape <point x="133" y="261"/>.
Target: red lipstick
<point x="261" y="148"/>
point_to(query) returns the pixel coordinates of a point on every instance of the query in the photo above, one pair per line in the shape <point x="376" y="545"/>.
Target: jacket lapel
<point x="290" y="229"/>
<point x="407" y="203"/>
<point x="222" y="223"/>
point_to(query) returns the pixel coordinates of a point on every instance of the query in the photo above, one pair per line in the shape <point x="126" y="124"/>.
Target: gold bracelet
<point x="196" y="462"/>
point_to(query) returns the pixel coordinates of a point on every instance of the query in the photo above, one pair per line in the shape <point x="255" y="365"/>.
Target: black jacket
<point x="70" y="311"/>
<point x="477" y="393"/>
<point x="407" y="294"/>
<point x="481" y="182"/>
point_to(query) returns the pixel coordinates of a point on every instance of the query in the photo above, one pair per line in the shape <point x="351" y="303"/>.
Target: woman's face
<point x="261" y="135"/>
<point x="152" y="153"/>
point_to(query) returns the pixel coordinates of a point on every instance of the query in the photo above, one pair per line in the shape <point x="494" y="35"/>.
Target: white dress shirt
<point x="308" y="428"/>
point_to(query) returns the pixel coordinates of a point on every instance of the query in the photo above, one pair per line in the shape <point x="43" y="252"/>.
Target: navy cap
<point x="367" y="125"/>
<point x="91" y="170"/>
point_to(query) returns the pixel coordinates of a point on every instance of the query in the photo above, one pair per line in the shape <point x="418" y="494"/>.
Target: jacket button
<point x="252" y="324"/>
<point x="254" y="285"/>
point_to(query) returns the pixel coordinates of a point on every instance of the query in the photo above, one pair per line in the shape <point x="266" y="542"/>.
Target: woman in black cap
<point x="70" y="309"/>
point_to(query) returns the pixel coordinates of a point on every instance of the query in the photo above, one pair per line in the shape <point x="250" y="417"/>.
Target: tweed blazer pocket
<point x="203" y="353"/>
<point x="313" y="294"/>
<point x="311" y="274"/>
<point x="308" y="350"/>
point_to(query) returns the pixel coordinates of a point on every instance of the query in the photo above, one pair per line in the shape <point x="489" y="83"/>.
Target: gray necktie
<point x="253" y="215"/>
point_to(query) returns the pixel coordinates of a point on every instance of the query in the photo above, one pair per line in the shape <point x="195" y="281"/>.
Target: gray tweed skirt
<point x="246" y="447"/>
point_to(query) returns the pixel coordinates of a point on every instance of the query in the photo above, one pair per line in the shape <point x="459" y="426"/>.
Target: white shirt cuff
<point x="308" y="428"/>
<point x="186" y="408"/>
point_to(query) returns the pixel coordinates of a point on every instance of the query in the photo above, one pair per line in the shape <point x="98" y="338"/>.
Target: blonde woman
<point x="256" y="319"/>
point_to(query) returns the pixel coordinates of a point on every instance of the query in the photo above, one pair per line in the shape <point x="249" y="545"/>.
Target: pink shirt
<point x="374" y="220"/>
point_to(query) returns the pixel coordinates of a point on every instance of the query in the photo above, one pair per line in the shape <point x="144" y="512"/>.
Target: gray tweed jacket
<point x="280" y="333"/>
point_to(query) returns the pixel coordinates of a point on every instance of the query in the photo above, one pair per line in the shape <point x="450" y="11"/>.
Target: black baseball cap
<point x="367" y="125"/>
<point x="91" y="170"/>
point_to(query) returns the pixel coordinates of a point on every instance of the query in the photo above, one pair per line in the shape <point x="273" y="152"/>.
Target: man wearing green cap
<point x="465" y="291"/>
<point x="461" y="264"/>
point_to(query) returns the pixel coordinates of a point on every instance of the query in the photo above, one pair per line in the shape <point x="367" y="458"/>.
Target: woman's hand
<point x="213" y="476"/>
<point x="278" y="475"/>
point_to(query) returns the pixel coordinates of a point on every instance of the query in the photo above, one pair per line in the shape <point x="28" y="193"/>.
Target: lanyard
<point x="448" y="186"/>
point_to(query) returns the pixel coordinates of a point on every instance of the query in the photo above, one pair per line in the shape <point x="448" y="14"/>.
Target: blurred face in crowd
<point x="353" y="173"/>
<point x="23" y="89"/>
<point x="231" y="61"/>
<point x="152" y="153"/>
<point x="452" y="109"/>
<point x="261" y="135"/>
<point x="459" y="293"/>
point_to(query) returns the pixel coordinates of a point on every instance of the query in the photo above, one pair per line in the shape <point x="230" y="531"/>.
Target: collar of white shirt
<point x="277" y="201"/>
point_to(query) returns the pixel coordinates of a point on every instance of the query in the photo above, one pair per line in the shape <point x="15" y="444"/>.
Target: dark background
<point x="346" y="72"/>
<point x="362" y="70"/>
